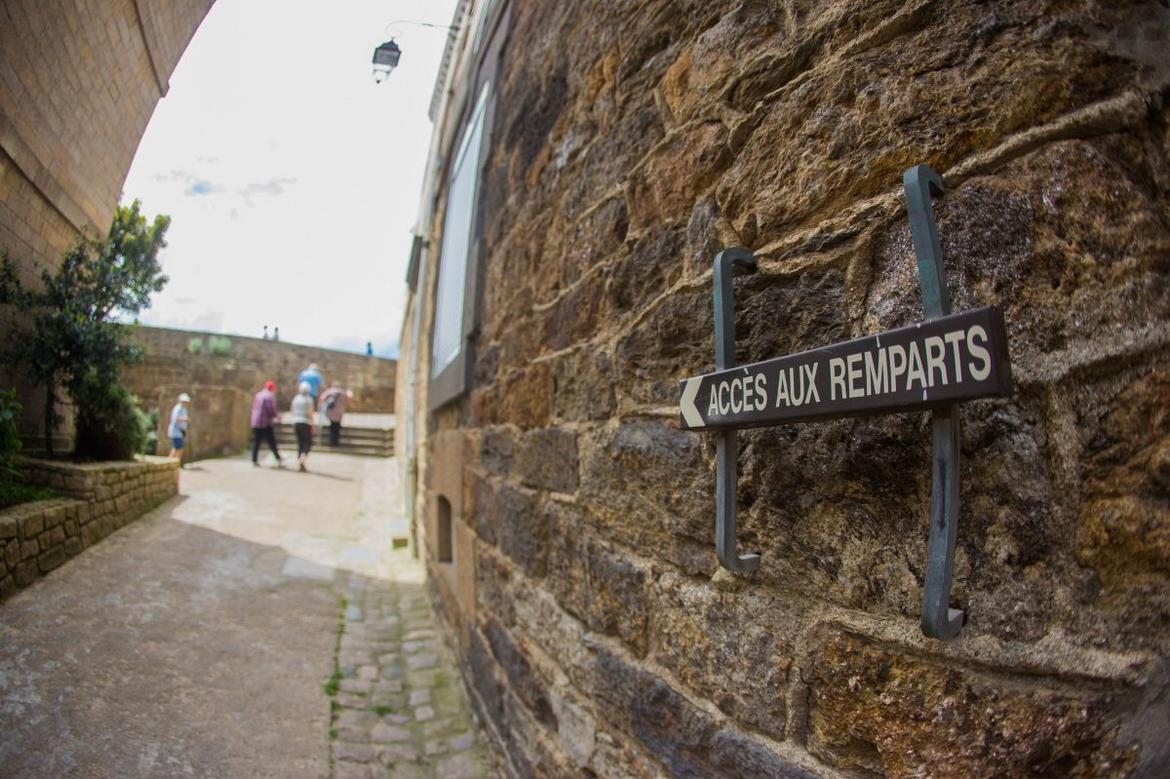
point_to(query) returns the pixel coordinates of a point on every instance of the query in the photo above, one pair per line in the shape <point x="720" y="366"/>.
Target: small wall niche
<point x="445" y="531"/>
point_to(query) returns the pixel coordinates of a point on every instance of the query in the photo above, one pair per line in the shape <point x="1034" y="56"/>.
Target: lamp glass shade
<point x="385" y="59"/>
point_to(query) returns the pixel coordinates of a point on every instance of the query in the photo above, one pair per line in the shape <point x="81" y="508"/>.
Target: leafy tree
<point x="66" y="335"/>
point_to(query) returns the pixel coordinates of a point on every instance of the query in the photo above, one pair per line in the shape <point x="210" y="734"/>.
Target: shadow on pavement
<point x="173" y="648"/>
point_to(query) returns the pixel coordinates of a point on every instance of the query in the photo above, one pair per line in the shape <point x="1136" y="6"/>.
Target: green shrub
<point x="110" y="425"/>
<point x="9" y="436"/>
<point x="219" y="345"/>
<point x="14" y="492"/>
<point x="195" y="345"/>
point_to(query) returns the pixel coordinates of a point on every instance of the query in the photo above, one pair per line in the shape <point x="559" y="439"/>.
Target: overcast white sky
<point x="291" y="177"/>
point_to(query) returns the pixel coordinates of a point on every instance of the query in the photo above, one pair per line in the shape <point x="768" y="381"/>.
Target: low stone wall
<point x="97" y="499"/>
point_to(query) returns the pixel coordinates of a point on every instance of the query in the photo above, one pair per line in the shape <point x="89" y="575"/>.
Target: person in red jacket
<point x="264" y="416"/>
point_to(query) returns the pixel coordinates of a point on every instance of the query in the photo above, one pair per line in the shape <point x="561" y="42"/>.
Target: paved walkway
<point x="256" y="626"/>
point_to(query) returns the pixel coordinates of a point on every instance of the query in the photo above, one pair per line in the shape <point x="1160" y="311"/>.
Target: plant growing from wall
<point x="219" y="345"/>
<point x="9" y="436"/>
<point x="66" y="333"/>
<point x="150" y="443"/>
<point x="195" y="345"/>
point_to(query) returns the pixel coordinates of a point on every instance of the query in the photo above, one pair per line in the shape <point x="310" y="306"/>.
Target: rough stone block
<point x="677" y="172"/>
<point x="73" y="546"/>
<point x="684" y="738"/>
<point x="618" y="602"/>
<point x="673" y="342"/>
<point x="647" y="486"/>
<point x="521" y="529"/>
<point x="32" y="526"/>
<point x="733" y="648"/>
<point x="29" y="549"/>
<point x="582" y="385"/>
<point x="497" y="449"/>
<point x="594" y="237"/>
<point x="479" y="505"/>
<point x="548" y="459"/>
<point x="51" y="558"/>
<point x="568" y="547"/>
<point x="26" y="573"/>
<point x="521" y="398"/>
<point x="601" y="587"/>
<point x="493" y="585"/>
<point x="872" y="709"/>
<point x="521" y="678"/>
<point x="484" y="678"/>
<point x="575" y="316"/>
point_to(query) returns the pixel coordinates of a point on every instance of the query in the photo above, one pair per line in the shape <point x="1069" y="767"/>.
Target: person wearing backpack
<point x="332" y="407"/>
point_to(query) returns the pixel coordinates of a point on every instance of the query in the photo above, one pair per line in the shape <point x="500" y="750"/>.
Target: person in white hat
<point x="178" y="427"/>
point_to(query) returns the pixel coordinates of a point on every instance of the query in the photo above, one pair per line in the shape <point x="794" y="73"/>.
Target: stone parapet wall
<point x="252" y="361"/>
<point x="98" y="499"/>
<point x="632" y="142"/>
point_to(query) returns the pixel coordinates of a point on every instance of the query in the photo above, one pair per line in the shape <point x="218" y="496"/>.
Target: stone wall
<point x="632" y="142"/>
<point x="97" y="499"/>
<point x="252" y="361"/>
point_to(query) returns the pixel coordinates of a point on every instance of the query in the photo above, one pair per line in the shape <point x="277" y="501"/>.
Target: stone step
<point x="362" y="433"/>
<point x="374" y="436"/>
<point x="371" y="442"/>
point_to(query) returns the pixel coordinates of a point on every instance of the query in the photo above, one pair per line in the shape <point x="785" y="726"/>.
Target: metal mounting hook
<point x="726" y="442"/>
<point x="939" y="620"/>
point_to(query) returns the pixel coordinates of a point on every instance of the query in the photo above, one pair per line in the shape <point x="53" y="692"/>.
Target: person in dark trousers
<point x="264" y="416"/>
<point x="332" y="406"/>
<point x="302" y="414"/>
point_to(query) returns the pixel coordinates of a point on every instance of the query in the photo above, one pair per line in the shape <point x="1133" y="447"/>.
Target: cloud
<point x="201" y="187"/>
<point x="273" y="186"/>
<point x="197" y="185"/>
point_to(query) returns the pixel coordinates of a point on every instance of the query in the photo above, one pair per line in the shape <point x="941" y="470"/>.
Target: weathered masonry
<point x="589" y="160"/>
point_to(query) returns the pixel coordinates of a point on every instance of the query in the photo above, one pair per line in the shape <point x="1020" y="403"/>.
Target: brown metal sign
<point x="931" y="364"/>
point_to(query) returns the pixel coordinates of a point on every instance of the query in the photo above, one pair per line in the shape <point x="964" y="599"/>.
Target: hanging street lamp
<point x="386" y="56"/>
<point x="385" y="60"/>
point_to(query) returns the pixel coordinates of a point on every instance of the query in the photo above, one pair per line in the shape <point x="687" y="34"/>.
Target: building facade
<point x="589" y="160"/>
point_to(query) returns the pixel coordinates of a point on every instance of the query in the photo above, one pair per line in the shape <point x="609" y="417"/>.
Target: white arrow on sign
<point x="687" y="403"/>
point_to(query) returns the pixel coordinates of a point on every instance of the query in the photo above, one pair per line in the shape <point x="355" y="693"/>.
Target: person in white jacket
<point x="177" y="429"/>
<point x="302" y="414"/>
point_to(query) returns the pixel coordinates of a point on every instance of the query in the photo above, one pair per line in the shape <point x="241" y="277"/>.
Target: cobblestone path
<point x="257" y="626"/>
<point x="400" y="709"/>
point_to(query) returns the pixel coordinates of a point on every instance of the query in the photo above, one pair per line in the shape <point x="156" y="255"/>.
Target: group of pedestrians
<point x="306" y="406"/>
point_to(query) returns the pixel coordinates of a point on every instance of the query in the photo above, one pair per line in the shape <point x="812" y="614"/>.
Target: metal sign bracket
<point x="938" y="619"/>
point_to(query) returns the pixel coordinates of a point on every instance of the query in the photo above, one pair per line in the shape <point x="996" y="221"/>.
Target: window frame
<point x="453" y="381"/>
